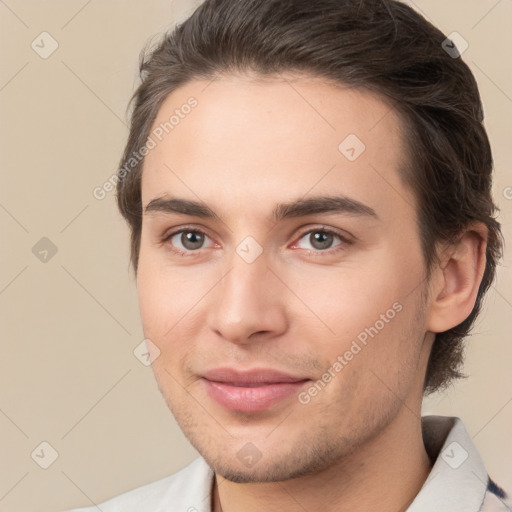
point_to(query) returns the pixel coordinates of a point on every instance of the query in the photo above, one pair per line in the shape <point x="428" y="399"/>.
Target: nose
<point x="248" y="303"/>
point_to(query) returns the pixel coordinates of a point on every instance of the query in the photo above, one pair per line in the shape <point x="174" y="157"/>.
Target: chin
<point x="279" y="469"/>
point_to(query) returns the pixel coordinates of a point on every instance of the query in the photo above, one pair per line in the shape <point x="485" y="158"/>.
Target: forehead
<point x="282" y="137"/>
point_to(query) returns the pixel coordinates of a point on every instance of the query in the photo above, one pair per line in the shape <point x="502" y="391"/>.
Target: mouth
<point x="251" y="391"/>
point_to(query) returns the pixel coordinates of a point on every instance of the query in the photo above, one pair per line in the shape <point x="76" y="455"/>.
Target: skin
<point x="248" y="145"/>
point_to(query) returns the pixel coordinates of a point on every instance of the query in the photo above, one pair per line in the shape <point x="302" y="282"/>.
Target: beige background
<point x="68" y="375"/>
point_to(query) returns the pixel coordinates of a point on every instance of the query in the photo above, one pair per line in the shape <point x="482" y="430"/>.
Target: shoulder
<point x="188" y="490"/>
<point x="496" y="499"/>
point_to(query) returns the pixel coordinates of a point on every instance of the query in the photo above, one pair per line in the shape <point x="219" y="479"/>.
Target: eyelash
<point x="315" y="253"/>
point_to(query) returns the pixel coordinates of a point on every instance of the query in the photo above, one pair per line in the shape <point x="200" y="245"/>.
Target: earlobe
<point x="458" y="277"/>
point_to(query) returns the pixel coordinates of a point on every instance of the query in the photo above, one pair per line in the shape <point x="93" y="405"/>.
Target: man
<point x="308" y="190"/>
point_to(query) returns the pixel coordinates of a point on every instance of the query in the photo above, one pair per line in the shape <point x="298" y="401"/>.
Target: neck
<point x="385" y="474"/>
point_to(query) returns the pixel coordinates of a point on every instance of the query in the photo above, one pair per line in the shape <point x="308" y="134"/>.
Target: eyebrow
<point x="298" y="208"/>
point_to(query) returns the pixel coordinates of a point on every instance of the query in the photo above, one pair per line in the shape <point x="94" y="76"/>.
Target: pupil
<point x="321" y="240"/>
<point x="192" y="240"/>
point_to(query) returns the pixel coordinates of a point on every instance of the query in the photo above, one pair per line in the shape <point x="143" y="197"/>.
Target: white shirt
<point x="458" y="481"/>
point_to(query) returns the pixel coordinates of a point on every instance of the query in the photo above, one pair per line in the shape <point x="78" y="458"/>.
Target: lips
<point x="251" y="391"/>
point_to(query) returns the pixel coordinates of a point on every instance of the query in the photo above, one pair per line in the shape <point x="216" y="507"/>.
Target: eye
<point x="322" y="240"/>
<point x="186" y="240"/>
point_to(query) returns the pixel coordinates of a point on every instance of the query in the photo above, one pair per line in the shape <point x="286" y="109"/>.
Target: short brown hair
<point x="381" y="45"/>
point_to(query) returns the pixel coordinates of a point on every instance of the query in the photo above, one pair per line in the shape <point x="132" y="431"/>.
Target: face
<point x="281" y="278"/>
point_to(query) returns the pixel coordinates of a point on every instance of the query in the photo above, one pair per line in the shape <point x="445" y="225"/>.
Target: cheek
<point x="373" y="369"/>
<point x="153" y="300"/>
<point x="165" y="295"/>
<point x="372" y="317"/>
<point x="348" y="300"/>
<point x="172" y="312"/>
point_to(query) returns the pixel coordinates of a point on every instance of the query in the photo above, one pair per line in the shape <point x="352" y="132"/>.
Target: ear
<point x="456" y="279"/>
